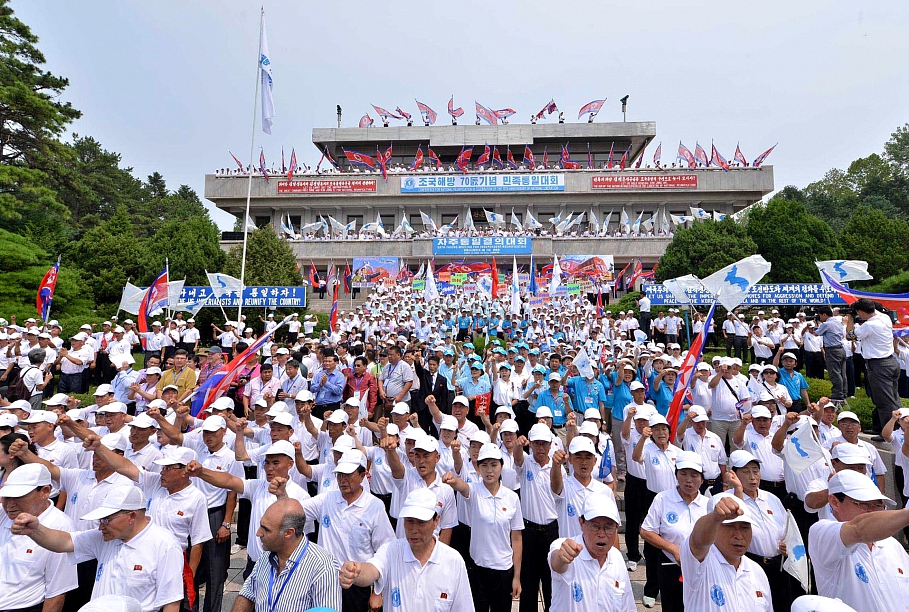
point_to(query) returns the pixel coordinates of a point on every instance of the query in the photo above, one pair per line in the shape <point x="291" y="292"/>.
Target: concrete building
<point x="356" y="195"/>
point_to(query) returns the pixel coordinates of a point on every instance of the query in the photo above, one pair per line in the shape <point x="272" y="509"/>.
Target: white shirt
<point x="713" y="584"/>
<point x="492" y="519"/>
<point x="257" y="492"/>
<point x="84" y="493"/>
<point x="768" y="532"/>
<point x="876" y="336"/>
<point x="659" y="466"/>
<point x="571" y="502"/>
<point x="30" y="574"/>
<point x="183" y="514"/>
<point x="868" y="579"/>
<point x="60" y="454"/>
<point x="537" y="502"/>
<point x="672" y="519"/>
<point x="406" y="586"/>
<point x="634" y="468"/>
<point x="724" y="401"/>
<point x="587" y="587"/>
<point x="874" y="457"/>
<point x="762" y="449"/>
<point x="222" y="460"/>
<point x="448" y="510"/>
<point x="710" y="449"/>
<point x="149" y="567"/>
<point x="351" y="532"/>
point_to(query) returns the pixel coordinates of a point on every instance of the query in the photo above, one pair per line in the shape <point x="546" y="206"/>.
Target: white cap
<point x="421" y="504"/>
<point x="746" y="517"/>
<point x="600" y="505"/>
<point x="697" y="413"/>
<point x="153" y="370"/>
<point x="339" y="417"/>
<point x="351" y="402"/>
<point x="113" y="408"/>
<point x="816" y="603"/>
<point x="392" y="430"/>
<point x="544" y="412"/>
<point x="176" y="455"/>
<point x="9" y="420"/>
<point x="641" y="412"/>
<point x="741" y="458"/>
<point x="539" y="432"/>
<point x="351" y="461"/>
<point x="845" y="414"/>
<point x="115" y="441"/>
<point x="25" y="479"/>
<point x="58" y="399"/>
<point x="78" y="414"/>
<point x="225" y="403"/>
<point x="789" y="355"/>
<point x="400" y="408"/>
<point x="480" y="436"/>
<point x="592" y="413"/>
<point x="427" y="443"/>
<point x="505" y="410"/>
<point x="283" y="419"/>
<point x="657" y="419"/>
<point x="689" y="460"/>
<point x="125" y="497"/>
<point x="588" y="428"/>
<point x="554" y="376"/>
<point x="761" y="412"/>
<point x="143" y="421"/>
<point x="449" y="422"/>
<point x="857" y="486"/>
<point x="635" y="385"/>
<point x="112" y="603"/>
<point x="703" y="366"/>
<point x="489" y="451"/>
<point x="103" y="390"/>
<point x="580" y="444"/>
<point x="850" y="454"/>
<point x="509" y="425"/>
<point x="460" y="399"/>
<point x="277" y="408"/>
<point x="157" y="403"/>
<point x="41" y="416"/>
<point x="281" y="447"/>
<point x="306" y="396"/>
<point x="214" y="423"/>
<point x="343" y="444"/>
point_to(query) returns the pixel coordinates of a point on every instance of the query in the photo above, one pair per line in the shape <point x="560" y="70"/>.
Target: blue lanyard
<point x="271" y="579"/>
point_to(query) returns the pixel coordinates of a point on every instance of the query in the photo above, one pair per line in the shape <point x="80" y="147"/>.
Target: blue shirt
<point x="464" y="322"/>
<point x="331" y="392"/>
<point x="471" y="389"/>
<point x="584" y="394"/>
<point x="662" y="398"/>
<point x="557" y="405"/>
<point x="794" y="383"/>
<point x="622" y="397"/>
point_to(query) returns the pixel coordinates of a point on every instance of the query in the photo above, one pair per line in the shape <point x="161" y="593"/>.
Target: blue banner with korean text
<point x="261" y="297"/>
<point x="768" y="294"/>
<point x="458" y="183"/>
<point x="482" y="245"/>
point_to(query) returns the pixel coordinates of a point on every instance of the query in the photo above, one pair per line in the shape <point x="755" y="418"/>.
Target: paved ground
<point x="238" y="562"/>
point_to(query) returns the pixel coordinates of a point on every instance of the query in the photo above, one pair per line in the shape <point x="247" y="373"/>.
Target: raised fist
<point x="727" y="508"/>
<point x="569" y="550"/>
<point x="560" y="457"/>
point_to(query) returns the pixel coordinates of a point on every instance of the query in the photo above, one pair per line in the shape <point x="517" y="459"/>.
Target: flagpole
<point x="252" y="149"/>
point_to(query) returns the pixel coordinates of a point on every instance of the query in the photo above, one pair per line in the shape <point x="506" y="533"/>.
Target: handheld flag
<point x="731" y="284"/>
<point x="427" y="221"/>
<point x="366" y="121"/>
<point x="625" y="222"/>
<point x="610" y="162"/>
<point x="155" y="297"/>
<point x="497" y="158"/>
<point x="686" y="155"/>
<point x="382" y="164"/>
<point x="532" y="286"/>
<point x="591" y="107"/>
<point x="239" y="165"/>
<point x="624" y="161"/>
<point x="796" y="562"/>
<point x="718" y="216"/>
<point x="739" y="157"/>
<point x="131" y="298"/>
<point x="485" y="114"/>
<point x="404" y="114"/>
<point x="640" y="160"/>
<point x="897" y="302"/>
<point x="531" y="221"/>
<point x="293" y="165"/>
<point x="283" y="167"/>
<point x="330" y="159"/>
<point x="430" y="289"/>
<point x="464" y="159"/>
<point x="583" y="364"/>
<point x="528" y="157"/>
<point x="360" y="159"/>
<point x="333" y="315"/>
<point x="549" y="108"/>
<point x="605" y="226"/>
<point x="417" y="159"/>
<point x="638" y="270"/>
<point x="556" y="279"/>
<point x="494" y="218"/>
<point x="504" y="113"/>
<point x="495" y="279"/>
<point x="760" y="158"/>
<point x="680" y="286"/>
<point x="701" y="155"/>
<point x="699" y="213"/>
<point x="46" y="291"/>
<point x="348" y="276"/>
<point x="658" y="154"/>
<point x="266" y="84"/>
<point x="686" y="371"/>
<point x="802" y="449"/>
<point x="545" y="158"/>
<point x="717" y="158"/>
<point x="429" y="115"/>
<point x="484" y="158"/>
<point x="223" y="284"/>
<point x="565" y="160"/>
<point x="516" y="222"/>
<point x="262" y="167"/>
<point x="454" y="112"/>
<point x="844" y="271"/>
<point x="314" y="279"/>
<point x="509" y="158"/>
<point x="515" y="289"/>
<point x="435" y="159"/>
<point x="384" y="113"/>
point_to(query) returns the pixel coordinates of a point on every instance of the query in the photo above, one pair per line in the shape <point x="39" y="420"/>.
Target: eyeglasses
<point x="869" y="506"/>
<point x="107" y="519"/>
<point x="596" y="528"/>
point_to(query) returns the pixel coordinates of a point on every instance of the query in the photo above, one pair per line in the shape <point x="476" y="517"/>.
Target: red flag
<point x="638" y="270"/>
<point x="348" y="275"/>
<point x="382" y="164"/>
<point x="155" y="297"/>
<point x="46" y="291"/>
<point x="624" y="160"/>
<point x="240" y="165"/>
<point x="313" y="276"/>
<point x="484" y="158"/>
<point x="760" y="158"/>
<point x="464" y="158"/>
<point x="686" y="371"/>
<point x="293" y="165"/>
<point x="497" y="158"/>
<point x="417" y="159"/>
<point x="510" y="159"/>
<point x="333" y="315"/>
<point x="435" y="159"/>
<point x="545" y="157"/>
<point x="611" y="161"/>
<point x="495" y="279"/>
<point x="361" y="159"/>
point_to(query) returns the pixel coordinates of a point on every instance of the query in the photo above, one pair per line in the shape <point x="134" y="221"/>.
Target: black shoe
<point x="878" y="439"/>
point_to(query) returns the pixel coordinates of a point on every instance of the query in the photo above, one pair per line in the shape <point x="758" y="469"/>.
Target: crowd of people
<point x="585" y="231"/>
<point x="455" y="455"/>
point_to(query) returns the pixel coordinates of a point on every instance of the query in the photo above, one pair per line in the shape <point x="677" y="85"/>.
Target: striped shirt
<point x="309" y="580"/>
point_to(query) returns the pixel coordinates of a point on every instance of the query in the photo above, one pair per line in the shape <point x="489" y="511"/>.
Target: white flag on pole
<point x="802" y="450"/>
<point x="223" y="284"/>
<point x="268" y="100"/>
<point x="131" y="299"/>
<point x="531" y="221"/>
<point x="843" y="271"/>
<point x="515" y="221"/>
<point x="515" y="290"/>
<point x="174" y="289"/>
<point x="796" y="562"/>
<point x="605" y="230"/>
<point x="582" y="363"/>
<point x="428" y="223"/>
<point x="625" y="222"/>
<point x="556" y="276"/>
<point x="699" y="213"/>
<point x="731" y="284"/>
<point x="430" y="290"/>
<point x="636" y="229"/>
<point x="678" y="287"/>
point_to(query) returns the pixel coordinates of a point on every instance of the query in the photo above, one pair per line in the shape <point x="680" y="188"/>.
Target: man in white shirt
<point x="855" y="557"/>
<point x="588" y="573"/>
<point x="32" y="577"/>
<point x="718" y="575"/>
<point x="40" y="425"/>
<point x="730" y="399"/>
<point x="135" y="557"/>
<point x="416" y="573"/>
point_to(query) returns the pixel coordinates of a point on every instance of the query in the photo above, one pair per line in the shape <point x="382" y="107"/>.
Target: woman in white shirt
<point x="496" y="542"/>
<point x="669" y="522"/>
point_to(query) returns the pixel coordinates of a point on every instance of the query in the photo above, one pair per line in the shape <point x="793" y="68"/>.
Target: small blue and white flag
<point x="731" y="284"/>
<point x="843" y="271"/>
<point x="266" y="84"/>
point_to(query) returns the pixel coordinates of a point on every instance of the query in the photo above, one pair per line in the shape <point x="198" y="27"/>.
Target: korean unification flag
<point x="679" y="287"/>
<point x="268" y="99"/>
<point x="731" y="284"/>
<point x="843" y="271"/>
<point x="430" y="289"/>
<point x="515" y="290"/>
<point x="796" y="562"/>
<point x="556" y="280"/>
<point x="223" y="284"/>
<point x="583" y="364"/>
<point x="802" y="450"/>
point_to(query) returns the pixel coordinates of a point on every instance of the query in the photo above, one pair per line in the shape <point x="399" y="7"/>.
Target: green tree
<point x="109" y="255"/>
<point x="896" y="150"/>
<point x="269" y="260"/>
<point x="871" y="236"/>
<point x="704" y="248"/>
<point x="791" y="239"/>
<point x="32" y="117"/>
<point x="191" y="245"/>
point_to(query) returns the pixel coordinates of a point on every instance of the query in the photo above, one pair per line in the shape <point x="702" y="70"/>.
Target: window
<point x="296" y="220"/>
<point x="262" y="221"/>
<point x="448" y="218"/>
<point x="416" y="222"/>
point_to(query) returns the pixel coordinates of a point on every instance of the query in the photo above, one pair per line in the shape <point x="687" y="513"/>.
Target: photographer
<point x="831" y="332"/>
<point x="875" y="331"/>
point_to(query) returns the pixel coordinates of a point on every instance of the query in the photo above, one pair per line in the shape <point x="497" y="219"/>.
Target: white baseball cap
<point x="657" y="419"/>
<point x="636" y="385"/>
<point x="420" y="504"/>
<point x="698" y="413"/>
<point x="103" y="390"/>
<point x="9" y="420"/>
<point x="338" y="417"/>
<point x="143" y="421"/>
<point x="689" y="460"/>
<point x="152" y="371"/>
<point x="351" y="461"/>
<point x="281" y="447"/>
<point x="115" y="441"/>
<point x="845" y="414"/>
<point x="113" y="408"/>
<point x="214" y="423"/>
<point x="544" y="412"/>
<point x="601" y="505"/>
<point x="480" y="436"/>
<point x="460" y="399"/>
<point x="176" y="455"/>
<point x="22" y="405"/>
<point x="225" y="403"/>
<point x="588" y="428"/>
<point x="741" y="458"/>
<point x="58" y="399"/>
<point x="539" y="432"/>
<point x="509" y="425"/>
<point x="489" y="451"/>
<point x="306" y="396"/>
<point x="125" y="497"/>
<point x="449" y="422"/>
<point x="851" y="454"/>
<point x="746" y="517"/>
<point x="41" y="416"/>
<point x="580" y="444"/>
<point x="427" y="443"/>
<point x="399" y="408"/>
<point x="761" y="412"/>
<point x="25" y="479"/>
<point x="592" y="413"/>
<point x="857" y="486"/>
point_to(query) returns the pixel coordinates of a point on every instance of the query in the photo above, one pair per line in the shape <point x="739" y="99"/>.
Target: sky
<point x="169" y="84"/>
